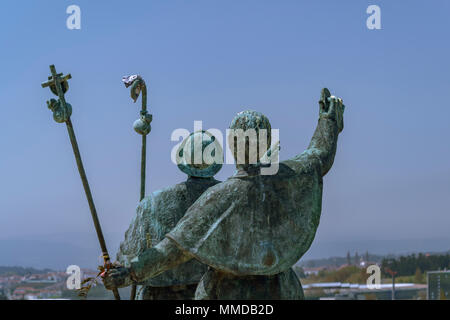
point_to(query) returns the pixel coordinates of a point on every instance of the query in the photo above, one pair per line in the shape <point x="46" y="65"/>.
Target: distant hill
<point x="324" y="249"/>
<point x="56" y="251"/>
<point x="337" y="261"/>
<point x="21" y="271"/>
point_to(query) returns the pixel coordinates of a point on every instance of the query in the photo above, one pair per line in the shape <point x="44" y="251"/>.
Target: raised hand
<point x="332" y="107"/>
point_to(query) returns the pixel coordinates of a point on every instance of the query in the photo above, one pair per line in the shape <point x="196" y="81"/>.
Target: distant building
<point x="365" y="263"/>
<point x="31" y="296"/>
<point x="438" y="285"/>
<point x="352" y="291"/>
<point x="21" y="293"/>
<point x="313" y="271"/>
<point x="43" y="278"/>
<point x="29" y="293"/>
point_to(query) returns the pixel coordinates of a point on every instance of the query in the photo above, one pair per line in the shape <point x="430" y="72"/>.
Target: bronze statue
<point x="157" y="215"/>
<point x="252" y="228"/>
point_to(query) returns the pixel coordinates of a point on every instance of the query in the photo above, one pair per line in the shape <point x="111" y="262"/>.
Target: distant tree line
<point x="339" y="261"/>
<point x="408" y="265"/>
<point x="21" y="271"/>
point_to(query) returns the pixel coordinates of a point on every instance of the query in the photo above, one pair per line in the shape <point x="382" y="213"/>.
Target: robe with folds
<point x="251" y="229"/>
<point x="258" y="226"/>
<point x="156" y="215"/>
<point x="253" y="226"/>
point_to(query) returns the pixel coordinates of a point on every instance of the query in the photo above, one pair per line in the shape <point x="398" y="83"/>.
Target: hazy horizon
<point x="62" y="250"/>
<point x="206" y="61"/>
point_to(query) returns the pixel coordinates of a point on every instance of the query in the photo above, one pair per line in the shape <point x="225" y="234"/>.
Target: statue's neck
<point x="191" y="178"/>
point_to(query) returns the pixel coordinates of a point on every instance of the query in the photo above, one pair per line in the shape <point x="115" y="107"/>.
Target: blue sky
<point x="208" y="60"/>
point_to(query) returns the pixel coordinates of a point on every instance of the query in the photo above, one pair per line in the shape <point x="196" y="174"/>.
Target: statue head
<point x="249" y="138"/>
<point x="200" y="155"/>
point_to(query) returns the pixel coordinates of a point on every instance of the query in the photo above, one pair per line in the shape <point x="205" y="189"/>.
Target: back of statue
<point x="156" y="215"/>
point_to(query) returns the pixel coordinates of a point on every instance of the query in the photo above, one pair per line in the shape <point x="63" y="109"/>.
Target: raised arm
<point x="322" y="148"/>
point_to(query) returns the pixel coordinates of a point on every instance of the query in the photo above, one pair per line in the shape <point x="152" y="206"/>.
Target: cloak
<point x="255" y="225"/>
<point x="224" y="286"/>
<point x="156" y="215"/>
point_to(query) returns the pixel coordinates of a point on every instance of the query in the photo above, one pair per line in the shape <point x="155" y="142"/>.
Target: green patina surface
<point x="156" y="215"/>
<point x="252" y="228"/>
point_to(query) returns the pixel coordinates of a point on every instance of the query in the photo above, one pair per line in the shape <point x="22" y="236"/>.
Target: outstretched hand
<point x="117" y="277"/>
<point x="332" y="107"/>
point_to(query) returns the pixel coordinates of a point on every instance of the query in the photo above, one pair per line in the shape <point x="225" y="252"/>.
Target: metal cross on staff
<point x="61" y="113"/>
<point x="143" y="127"/>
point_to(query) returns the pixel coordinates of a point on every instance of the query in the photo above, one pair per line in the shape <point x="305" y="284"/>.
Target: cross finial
<point x="57" y="82"/>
